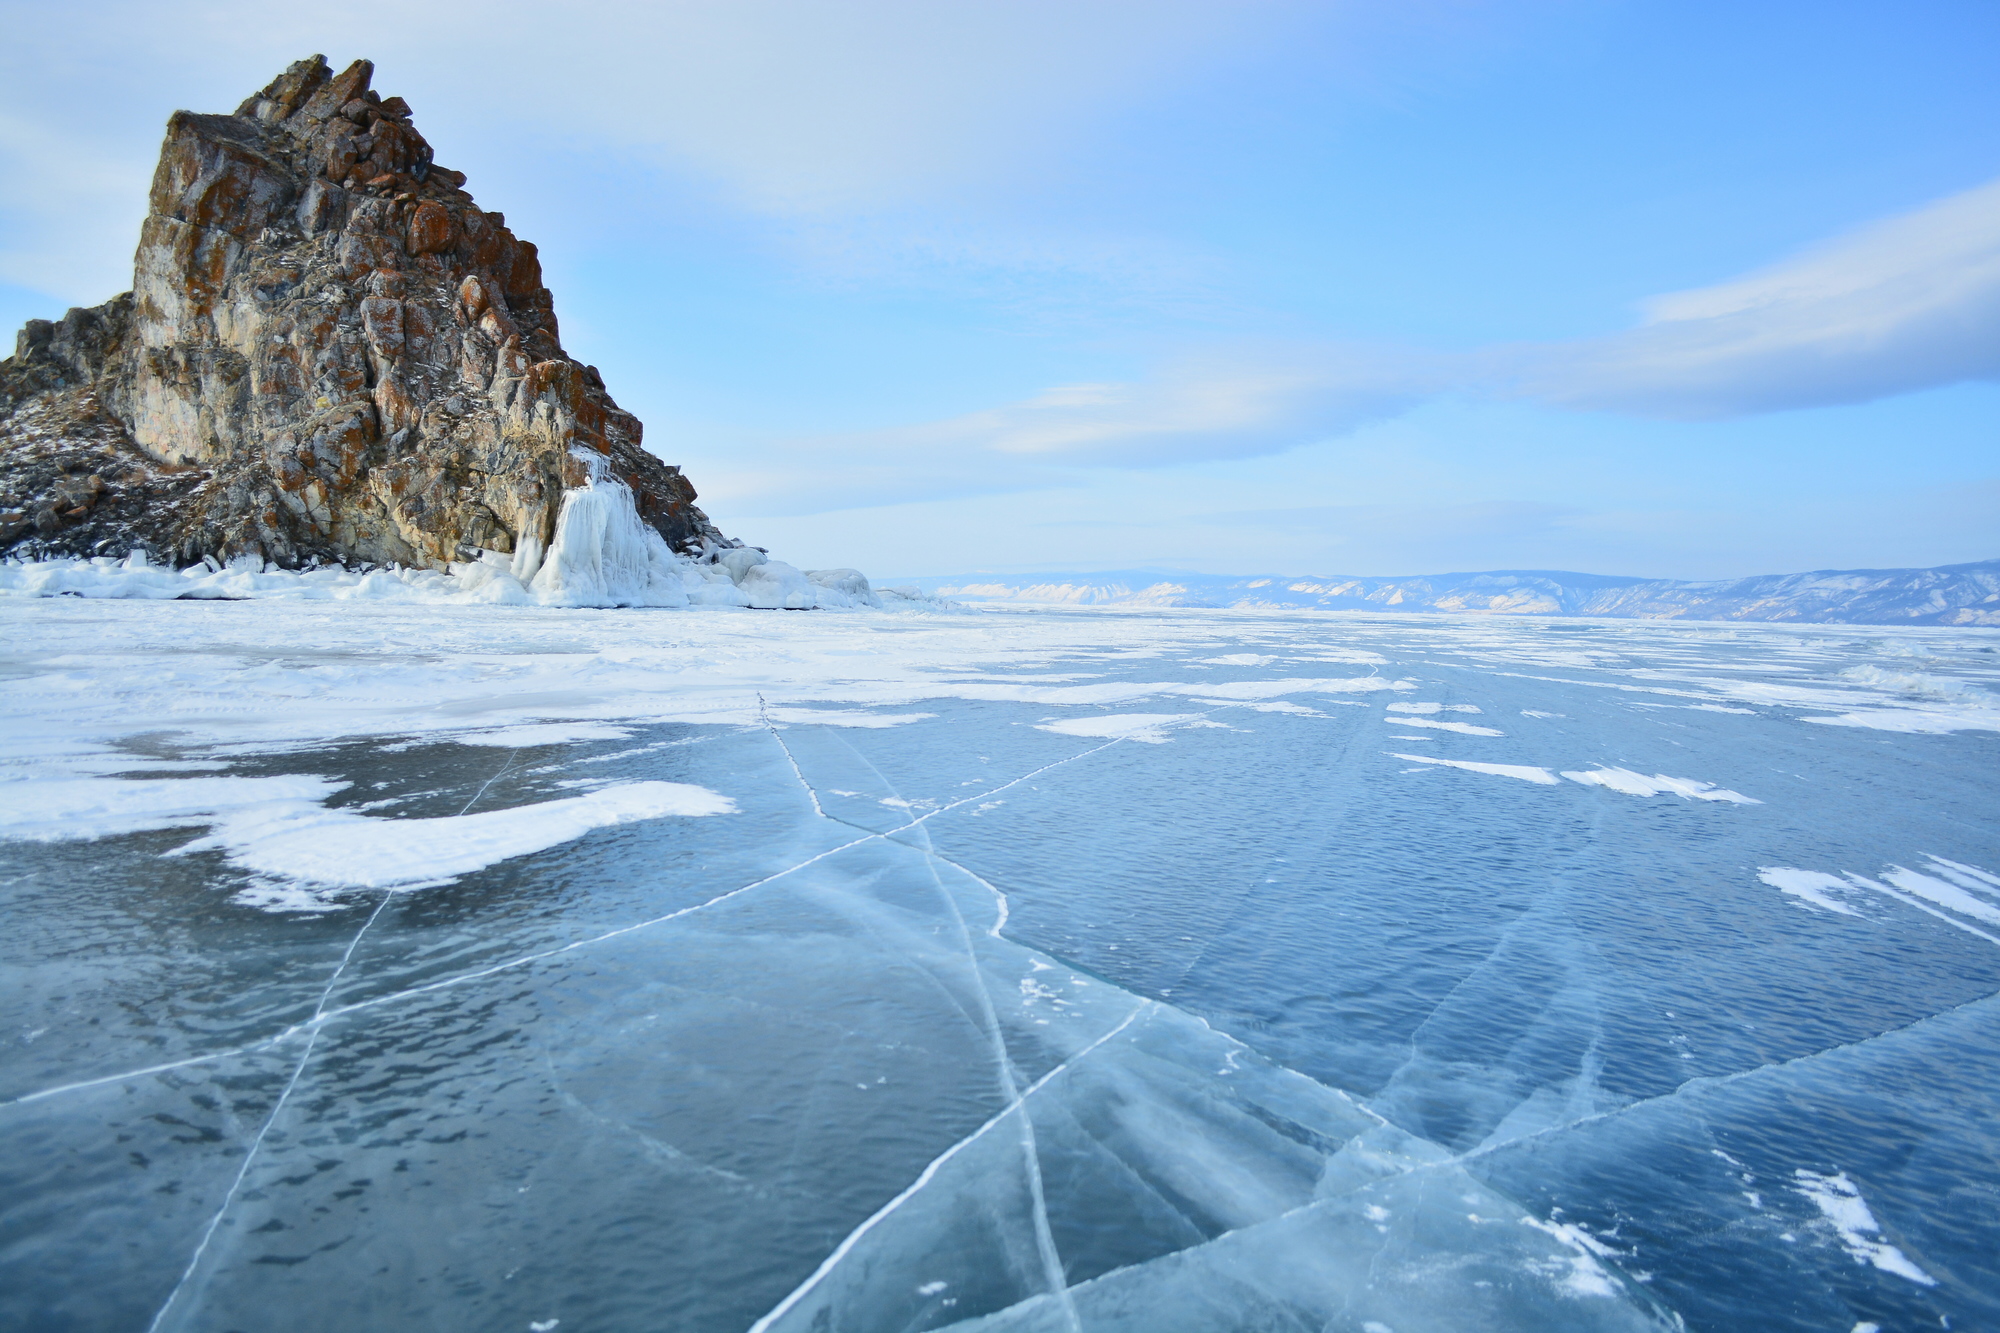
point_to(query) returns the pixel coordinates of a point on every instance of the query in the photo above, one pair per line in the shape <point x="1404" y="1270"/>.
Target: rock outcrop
<point x="329" y="354"/>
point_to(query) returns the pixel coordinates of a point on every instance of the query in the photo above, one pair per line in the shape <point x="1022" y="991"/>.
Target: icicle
<point x="603" y="554"/>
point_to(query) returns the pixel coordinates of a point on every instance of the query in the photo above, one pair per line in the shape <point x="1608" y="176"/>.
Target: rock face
<point x="329" y="353"/>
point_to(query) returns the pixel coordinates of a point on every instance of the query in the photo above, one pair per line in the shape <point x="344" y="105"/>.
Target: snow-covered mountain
<point x="1946" y="595"/>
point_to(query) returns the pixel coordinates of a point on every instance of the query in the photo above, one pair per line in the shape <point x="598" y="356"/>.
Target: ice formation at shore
<point x="602" y="555"/>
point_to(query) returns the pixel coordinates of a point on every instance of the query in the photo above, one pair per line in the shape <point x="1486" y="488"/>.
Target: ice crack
<point x="846" y="1246"/>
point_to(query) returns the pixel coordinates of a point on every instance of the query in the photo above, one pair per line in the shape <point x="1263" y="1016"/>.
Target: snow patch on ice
<point x="1525" y="772"/>
<point x="1971" y="877"/>
<point x="1151" y="728"/>
<point x="1914" y="721"/>
<point x="1296" y="710"/>
<point x="1637" y="784"/>
<point x="68" y="809"/>
<point x="1920" y="685"/>
<point x="306" y="842"/>
<point x="1951" y="893"/>
<point x="1267" y="689"/>
<point x="843" y="717"/>
<point x="1812" y="889"/>
<point x="1842" y="1207"/>
<point x="280" y="826"/>
<point x="1462" y="728"/>
<point x="1942" y="892"/>
<point x="1581" y="1274"/>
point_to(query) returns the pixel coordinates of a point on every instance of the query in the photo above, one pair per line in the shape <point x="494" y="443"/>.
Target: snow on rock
<point x="774" y="585"/>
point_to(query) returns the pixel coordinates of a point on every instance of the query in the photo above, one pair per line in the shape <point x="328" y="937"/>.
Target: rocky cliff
<point x="329" y="354"/>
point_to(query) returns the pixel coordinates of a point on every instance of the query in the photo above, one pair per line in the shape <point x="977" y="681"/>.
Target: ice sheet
<point x="1394" y="1053"/>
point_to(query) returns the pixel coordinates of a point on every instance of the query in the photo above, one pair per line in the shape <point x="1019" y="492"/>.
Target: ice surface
<point x="971" y="1004"/>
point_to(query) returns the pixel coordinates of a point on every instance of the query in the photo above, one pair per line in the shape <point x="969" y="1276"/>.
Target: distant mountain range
<point x="1946" y="595"/>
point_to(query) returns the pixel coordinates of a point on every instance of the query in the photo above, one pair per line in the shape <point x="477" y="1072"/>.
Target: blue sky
<point x="1674" y="289"/>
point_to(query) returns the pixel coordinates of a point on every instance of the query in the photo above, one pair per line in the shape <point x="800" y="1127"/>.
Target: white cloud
<point x="799" y="106"/>
<point x="1909" y="303"/>
<point x="1906" y="304"/>
<point x="805" y="109"/>
<point x="864" y="119"/>
<point x="1196" y="411"/>
<point x="1193" y="411"/>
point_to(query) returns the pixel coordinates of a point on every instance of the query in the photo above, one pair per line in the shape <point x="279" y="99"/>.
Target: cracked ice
<point x="478" y="967"/>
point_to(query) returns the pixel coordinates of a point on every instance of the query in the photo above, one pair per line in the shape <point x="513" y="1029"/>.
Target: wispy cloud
<point x="808" y="111"/>
<point x="1239" y="406"/>
<point x="1909" y="303"/>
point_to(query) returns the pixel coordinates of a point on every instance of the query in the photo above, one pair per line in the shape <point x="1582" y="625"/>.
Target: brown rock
<point x="432" y="229"/>
<point x="305" y="369"/>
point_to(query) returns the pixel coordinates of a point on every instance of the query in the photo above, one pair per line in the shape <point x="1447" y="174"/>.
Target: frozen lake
<point x="406" y="967"/>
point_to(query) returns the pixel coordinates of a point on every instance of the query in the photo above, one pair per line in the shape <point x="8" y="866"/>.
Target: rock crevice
<point x="329" y="353"/>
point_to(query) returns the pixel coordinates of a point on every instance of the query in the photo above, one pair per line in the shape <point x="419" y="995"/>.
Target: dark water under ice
<point x="1239" y="1022"/>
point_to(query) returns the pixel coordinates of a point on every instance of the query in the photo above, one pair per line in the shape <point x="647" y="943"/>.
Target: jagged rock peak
<point x="329" y="353"/>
